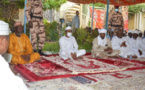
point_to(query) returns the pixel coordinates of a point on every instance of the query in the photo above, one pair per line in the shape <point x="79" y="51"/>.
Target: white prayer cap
<point x="129" y="31"/>
<point x="4" y="28"/>
<point x="68" y="28"/>
<point x="135" y="31"/>
<point x="102" y="31"/>
<point x="139" y="31"/>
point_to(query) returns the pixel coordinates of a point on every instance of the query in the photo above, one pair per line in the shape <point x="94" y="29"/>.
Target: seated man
<point x="137" y="46"/>
<point x="102" y="46"/>
<point x="20" y="47"/>
<point x="129" y="35"/>
<point x="110" y="34"/>
<point x="140" y="34"/>
<point x="120" y="43"/>
<point x="8" y="81"/>
<point x="69" y="46"/>
<point x="124" y="33"/>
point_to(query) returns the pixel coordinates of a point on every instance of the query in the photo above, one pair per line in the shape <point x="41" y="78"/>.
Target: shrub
<point x="53" y="28"/>
<point x="53" y="47"/>
<point x="85" y="37"/>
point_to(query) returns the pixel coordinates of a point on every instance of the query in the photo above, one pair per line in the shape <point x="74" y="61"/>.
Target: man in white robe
<point x="102" y="47"/>
<point x="129" y="35"/>
<point x="120" y="43"/>
<point x="140" y="34"/>
<point x="69" y="46"/>
<point x="8" y="81"/>
<point x="136" y="45"/>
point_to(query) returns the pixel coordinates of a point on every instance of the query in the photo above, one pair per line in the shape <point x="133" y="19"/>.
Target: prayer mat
<point x="89" y="65"/>
<point x="42" y="70"/>
<point x="52" y="67"/>
<point x="115" y="76"/>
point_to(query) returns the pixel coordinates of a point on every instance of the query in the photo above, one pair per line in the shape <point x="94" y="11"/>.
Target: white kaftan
<point x="116" y="42"/>
<point x="8" y="81"/>
<point x="136" y="45"/>
<point x="68" y="46"/>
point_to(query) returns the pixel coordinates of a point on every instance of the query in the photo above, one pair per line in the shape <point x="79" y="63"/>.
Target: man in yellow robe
<point x="20" y="47"/>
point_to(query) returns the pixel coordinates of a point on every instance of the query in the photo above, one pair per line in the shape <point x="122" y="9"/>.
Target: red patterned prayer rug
<point x="52" y="67"/>
<point x="42" y="71"/>
<point x="93" y="65"/>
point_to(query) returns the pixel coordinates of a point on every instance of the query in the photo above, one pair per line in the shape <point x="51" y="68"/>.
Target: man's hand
<point x="140" y="52"/>
<point x="26" y="57"/>
<point x="110" y="51"/>
<point x="106" y="49"/>
<point x="123" y="44"/>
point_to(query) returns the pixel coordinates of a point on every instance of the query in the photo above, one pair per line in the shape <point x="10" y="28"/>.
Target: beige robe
<point x="98" y="50"/>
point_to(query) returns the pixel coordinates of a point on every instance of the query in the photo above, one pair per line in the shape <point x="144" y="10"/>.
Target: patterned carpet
<point x="84" y="74"/>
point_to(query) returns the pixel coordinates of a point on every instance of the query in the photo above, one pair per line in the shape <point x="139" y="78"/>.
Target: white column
<point x="134" y="21"/>
<point x="80" y="15"/>
<point x="137" y="21"/>
<point x="140" y="21"/>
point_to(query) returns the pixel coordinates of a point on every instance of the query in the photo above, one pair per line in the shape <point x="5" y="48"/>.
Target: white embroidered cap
<point x="130" y="31"/>
<point x="135" y="31"/>
<point x="4" y="28"/>
<point x="102" y="31"/>
<point x="68" y="28"/>
<point x="139" y="31"/>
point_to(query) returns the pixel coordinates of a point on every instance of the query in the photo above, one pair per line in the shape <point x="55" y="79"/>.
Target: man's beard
<point x="20" y="33"/>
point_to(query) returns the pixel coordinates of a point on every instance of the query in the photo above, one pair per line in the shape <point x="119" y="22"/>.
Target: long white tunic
<point x="128" y="38"/>
<point x="136" y="45"/>
<point x="8" y="81"/>
<point x="116" y="42"/>
<point x="68" y="46"/>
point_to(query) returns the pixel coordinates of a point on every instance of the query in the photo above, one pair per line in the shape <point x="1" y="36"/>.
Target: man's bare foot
<point x="38" y="60"/>
<point x="134" y="56"/>
<point x="114" y="57"/>
<point x="80" y="57"/>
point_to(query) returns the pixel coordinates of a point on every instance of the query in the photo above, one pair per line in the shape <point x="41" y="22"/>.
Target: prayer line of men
<point x="119" y="46"/>
<point x="130" y="46"/>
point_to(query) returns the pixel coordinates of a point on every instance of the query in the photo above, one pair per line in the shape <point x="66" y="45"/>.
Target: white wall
<point x="21" y="16"/>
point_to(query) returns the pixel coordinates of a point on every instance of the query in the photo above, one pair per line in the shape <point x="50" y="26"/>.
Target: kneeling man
<point x="102" y="46"/>
<point x="69" y="46"/>
<point x="20" y="47"/>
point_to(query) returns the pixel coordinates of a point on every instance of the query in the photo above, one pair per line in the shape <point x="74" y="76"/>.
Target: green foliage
<point x="85" y="9"/>
<point x="51" y="30"/>
<point x="52" y="47"/>
<point x="84" y="38"/>
<point x="136" y="8"/>
<point x="98" y="5"/>
<point x="5" y="2"/>
<point x="27" y="30"/>
<point x="52" y="4"/>
<point x="20" y="4"/>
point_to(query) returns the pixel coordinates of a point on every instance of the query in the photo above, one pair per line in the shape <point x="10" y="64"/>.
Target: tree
<point x="98" y="5"/>
<point x="52" y="5"/>
<point x="136" y="8"/>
